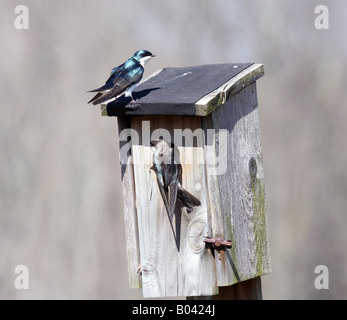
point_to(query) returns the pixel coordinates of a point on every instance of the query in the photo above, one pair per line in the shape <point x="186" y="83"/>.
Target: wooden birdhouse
<point x="210" y="114"/>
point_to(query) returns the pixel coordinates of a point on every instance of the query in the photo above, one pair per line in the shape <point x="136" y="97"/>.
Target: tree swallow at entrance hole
<point x="168" y="172"/>
<point x="123" y="78"/>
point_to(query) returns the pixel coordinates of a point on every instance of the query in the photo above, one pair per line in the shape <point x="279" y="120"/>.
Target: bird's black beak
<point x="153" y="55"/>
<point x="151" y="144"/>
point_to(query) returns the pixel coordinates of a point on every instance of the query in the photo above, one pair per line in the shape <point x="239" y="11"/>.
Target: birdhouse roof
<point x="186" y="91"/>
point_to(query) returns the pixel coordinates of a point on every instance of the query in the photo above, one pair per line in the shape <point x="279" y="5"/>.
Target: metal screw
<point x="218" y="243"/>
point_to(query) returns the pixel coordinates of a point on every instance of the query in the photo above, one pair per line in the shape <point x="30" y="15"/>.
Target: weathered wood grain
<point x="130" y="215"/>
<point x="174" y="261"/>
<point x="237" y="197"/>
<point x="223" y="167"/>
<point x="245" y="290"/>
<point x="218" y="97"/>
<point x="171" y="91"/>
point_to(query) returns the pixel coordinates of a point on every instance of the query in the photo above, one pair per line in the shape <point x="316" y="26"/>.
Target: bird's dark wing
<point x="106" y="89"/>
<point x="172" y="196"/>
<point x="102" y="88"/>
<point x="176" y="171"/>
<point x="188" y="200"/>
<point x="164" y="197"/>
<point x="119" y="80"/>
<point x="117" y="89"/>
<point x="115" y="72"/>
<point x="95" y="97"/>
<point x="163" y="193"/>
<point x="109" y="82"/>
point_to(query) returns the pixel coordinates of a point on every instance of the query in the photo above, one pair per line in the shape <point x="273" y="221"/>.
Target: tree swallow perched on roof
<point x="123" y="78"/>
<point x="168" y="172"/>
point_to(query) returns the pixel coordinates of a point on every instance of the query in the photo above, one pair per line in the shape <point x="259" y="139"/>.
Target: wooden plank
<point x="218" y="97"/>
<point x="237" y="197"/>
<point x="130" y="214"/>
<point x="245" y="290"/>
<point x="187" y="91"/>
<point x="174" y="261"/>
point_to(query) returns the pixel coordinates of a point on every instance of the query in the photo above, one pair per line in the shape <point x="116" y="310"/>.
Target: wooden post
<point x="245" y="290"/>
<point x="211" y="114"/>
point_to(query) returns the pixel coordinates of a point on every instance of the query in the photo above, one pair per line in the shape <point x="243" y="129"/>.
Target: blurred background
<point x="60" y="197"/>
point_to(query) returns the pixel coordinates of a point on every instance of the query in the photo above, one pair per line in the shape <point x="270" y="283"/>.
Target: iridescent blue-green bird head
<point x="143" y="56"/>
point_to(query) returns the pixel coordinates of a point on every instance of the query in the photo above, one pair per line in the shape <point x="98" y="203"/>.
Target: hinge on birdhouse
<point x="218" y="243"/>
